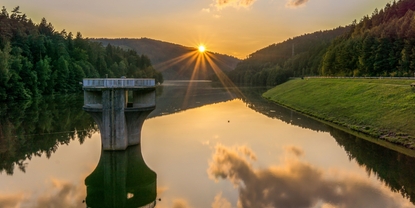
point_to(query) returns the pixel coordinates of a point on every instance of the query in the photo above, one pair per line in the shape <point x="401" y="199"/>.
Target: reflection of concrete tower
<point x="121" y="179"/>
<point x="119" y="107"/>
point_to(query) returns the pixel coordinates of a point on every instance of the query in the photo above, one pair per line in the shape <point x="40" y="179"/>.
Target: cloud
<point x="220" y="4"/>
<point x="295" y="184"/>
<point x="296" y="3"/>
<point x="207" y="10"/>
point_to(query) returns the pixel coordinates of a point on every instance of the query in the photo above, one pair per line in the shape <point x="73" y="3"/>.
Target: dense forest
<point x="35" y="59"/>
<point x="176" y="61"/>
<point x="380" y="45"/>
<point x="294" y="57"/>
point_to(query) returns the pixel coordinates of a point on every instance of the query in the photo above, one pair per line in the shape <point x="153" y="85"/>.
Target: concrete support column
<point x="106" y="130"/>
<point x="119" y="123"/>
<point x="113" y="131"/>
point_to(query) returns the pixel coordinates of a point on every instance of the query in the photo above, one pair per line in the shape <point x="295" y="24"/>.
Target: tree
<point x="43" y="71"/>
<point x="62" y="75"/>
<point x="4" y="70"/>
<point x="37" y="60"/>
<point x="381" y="64"/>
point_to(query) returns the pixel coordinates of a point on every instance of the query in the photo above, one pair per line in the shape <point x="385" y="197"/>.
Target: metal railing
<point x="118" y="83"/>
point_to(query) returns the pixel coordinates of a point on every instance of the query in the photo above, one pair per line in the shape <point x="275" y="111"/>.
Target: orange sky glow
<point x="234" y="27"/>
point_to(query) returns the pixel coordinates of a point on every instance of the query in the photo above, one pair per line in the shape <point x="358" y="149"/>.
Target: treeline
<point x="380" y="45"/>
<point x="294" y="57"/>
<point x="176" y="62"/>
<point x="35" y="59"/>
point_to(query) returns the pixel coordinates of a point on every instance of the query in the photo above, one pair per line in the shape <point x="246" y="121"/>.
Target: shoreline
<point x="384" y="143"/>
<point x="350" y="116"/>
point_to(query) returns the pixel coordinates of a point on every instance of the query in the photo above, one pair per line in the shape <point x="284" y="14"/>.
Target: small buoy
<point x="229" y="121"/>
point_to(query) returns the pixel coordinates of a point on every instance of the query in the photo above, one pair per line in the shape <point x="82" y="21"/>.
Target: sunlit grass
<point x="381" y="108"/>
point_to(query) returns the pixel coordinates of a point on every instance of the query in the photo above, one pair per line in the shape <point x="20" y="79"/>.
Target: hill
<point x="296" y="56"/>
<point x="37" y="60"/>
<point x="380" y="44"/>
<point x="381" y="108"/>
<point x="176" y="61"/>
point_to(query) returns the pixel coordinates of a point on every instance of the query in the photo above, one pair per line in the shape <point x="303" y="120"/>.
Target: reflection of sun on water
<point x="201" y="60"/>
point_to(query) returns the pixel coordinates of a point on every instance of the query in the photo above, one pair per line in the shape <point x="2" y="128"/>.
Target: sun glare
<point x="202" y="48"/>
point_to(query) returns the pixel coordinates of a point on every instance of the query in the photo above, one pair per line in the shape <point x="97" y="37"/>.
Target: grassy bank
<point x="381" y="108"/>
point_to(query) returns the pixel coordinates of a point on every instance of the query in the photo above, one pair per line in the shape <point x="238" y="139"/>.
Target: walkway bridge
<point x="119" y="107"/>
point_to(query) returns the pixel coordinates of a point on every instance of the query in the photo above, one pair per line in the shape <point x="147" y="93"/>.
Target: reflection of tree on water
<point x="121" y="179"/>
<point x="36" y="127"/>
<point x="252" y="97"/>
<point x="178" y="96"/>
<point x="396" y="170"/>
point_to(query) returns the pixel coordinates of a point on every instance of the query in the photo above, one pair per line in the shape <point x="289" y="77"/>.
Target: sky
<point x="233" y="27"/>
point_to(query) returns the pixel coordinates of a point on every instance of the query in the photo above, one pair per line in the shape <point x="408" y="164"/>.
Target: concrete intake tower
<point x="119" y="107"/>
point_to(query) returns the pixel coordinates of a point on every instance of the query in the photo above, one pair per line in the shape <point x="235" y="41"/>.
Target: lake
<point x="202" y="146"/>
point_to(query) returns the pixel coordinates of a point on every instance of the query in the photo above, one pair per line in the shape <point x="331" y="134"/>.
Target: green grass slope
<point x="381" y="108"/>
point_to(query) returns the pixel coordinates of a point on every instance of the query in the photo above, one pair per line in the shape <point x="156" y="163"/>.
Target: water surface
<point x="202" y="147"/>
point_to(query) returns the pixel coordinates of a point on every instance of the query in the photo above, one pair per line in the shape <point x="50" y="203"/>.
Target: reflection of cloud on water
<point x="220" y="202"/>
<point x="10" y="200"/>
<point x="60" y="194"/>
<point x="64" y="195"/>
<point x="296" y="183"/>
<point x="161" y="190"/>
<point x="294" y="150"/>
<point x="180" y="203"/>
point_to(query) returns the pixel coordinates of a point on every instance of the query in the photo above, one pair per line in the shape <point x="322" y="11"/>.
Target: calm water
<point x="201" y="147"/>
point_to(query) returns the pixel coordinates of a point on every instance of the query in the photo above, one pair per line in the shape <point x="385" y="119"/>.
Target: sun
<point x="202" y="48"/>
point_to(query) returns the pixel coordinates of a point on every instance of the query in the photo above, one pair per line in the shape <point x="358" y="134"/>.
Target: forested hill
<point x="298" y="56"/>
<point x="175" y="61"/>
<point x="36" y="60"/>
<point x="382" y="44"/>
